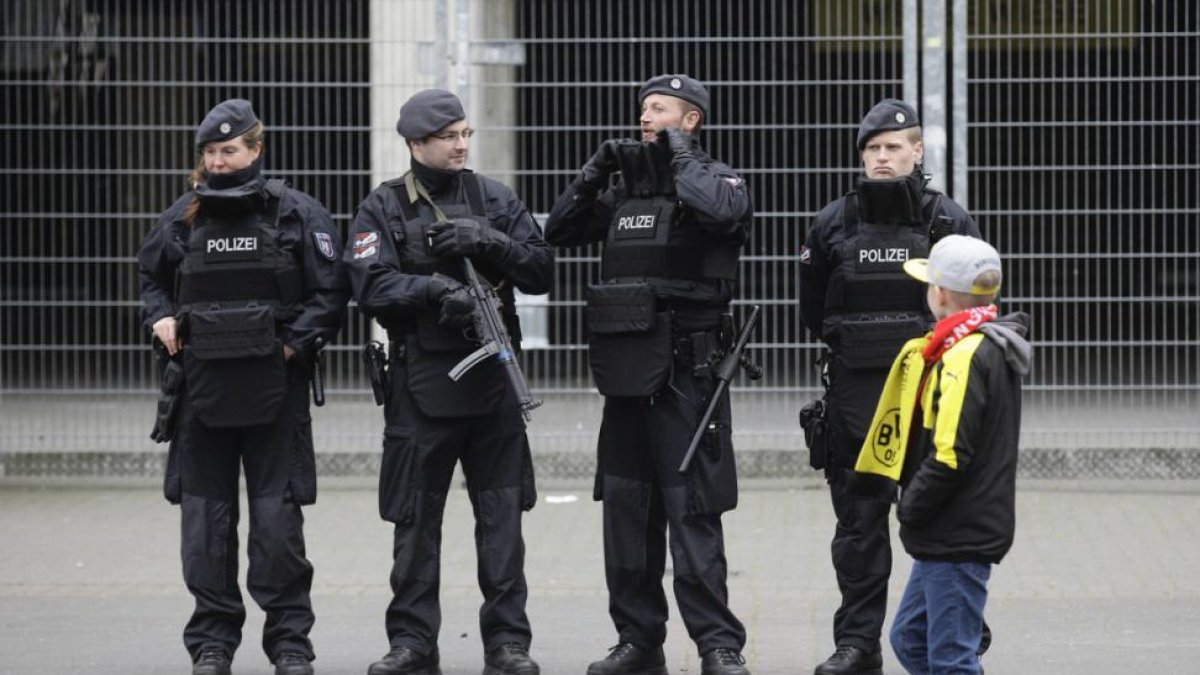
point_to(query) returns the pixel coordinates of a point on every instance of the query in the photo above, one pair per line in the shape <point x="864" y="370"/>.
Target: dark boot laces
<point x="618" y="652"/>
<point x="515" y="648"/>
<point x="211" y="654"/>
<point x="844" y="652"/>
<point x="291" y="658"/>
<point x="729" y="657"/>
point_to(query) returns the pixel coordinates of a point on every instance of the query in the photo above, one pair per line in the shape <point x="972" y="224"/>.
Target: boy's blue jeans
<point x="939" y="622"/>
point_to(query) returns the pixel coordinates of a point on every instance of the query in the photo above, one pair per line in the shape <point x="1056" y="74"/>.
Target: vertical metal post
<point x="909" y="54"/>
<point x="958" y="111"/>
<point x="462" y="54"/>
<point x="933" y="89"/>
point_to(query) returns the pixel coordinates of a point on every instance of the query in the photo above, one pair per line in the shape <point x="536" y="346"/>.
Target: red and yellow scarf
<point x="883" y="450"/>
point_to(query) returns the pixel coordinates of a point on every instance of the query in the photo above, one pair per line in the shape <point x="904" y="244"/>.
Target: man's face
<point x="891" y="154"/>
<point x="229" y="156"/>
<point x="660" y="111"/>
<point x="445" y="150"/>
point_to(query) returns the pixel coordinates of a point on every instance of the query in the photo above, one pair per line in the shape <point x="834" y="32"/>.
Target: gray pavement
<point x="1102" y="579"/>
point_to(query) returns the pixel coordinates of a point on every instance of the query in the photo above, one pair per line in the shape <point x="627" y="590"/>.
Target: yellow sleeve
<point x="948" y="397"/>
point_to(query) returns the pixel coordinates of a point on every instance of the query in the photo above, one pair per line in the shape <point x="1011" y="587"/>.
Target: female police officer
<point x="242" y="283"/>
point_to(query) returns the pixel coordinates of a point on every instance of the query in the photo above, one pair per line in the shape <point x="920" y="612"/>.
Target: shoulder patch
<point x="325" y="245"/>
<point x="805" y="255"/>
<point x="366" y="245"/>
<point x="735" y="182"/>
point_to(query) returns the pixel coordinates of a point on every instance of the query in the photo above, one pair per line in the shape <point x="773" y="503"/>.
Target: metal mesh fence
<point x="1077" y="116"/>
<point x="1073" y="131"/>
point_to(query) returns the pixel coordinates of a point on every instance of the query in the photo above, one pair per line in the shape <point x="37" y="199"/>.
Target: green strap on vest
<point x="417" y="190"/>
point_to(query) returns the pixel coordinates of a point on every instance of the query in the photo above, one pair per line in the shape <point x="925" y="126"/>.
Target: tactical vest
<point x="650" y="237"/>
<point x="234" y="288"/>
<point x="433" y="349"/>
<point x="651" y="240"/>
<point x="232" y="263"/>
<point x="871" y="306"/>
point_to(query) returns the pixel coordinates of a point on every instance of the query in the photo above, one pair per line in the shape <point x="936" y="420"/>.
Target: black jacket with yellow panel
<point x="958" y="469"/>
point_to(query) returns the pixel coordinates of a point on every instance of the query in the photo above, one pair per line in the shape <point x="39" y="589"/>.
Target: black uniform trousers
<point x="279" y="577"/>
<point x="648" y="506"/>
<point x="419" y="456"/>
<point x="861" y="547"/>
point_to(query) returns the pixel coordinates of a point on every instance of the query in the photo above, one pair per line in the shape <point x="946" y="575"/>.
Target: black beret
<point x="890" y="114"/>
<point x="428" y="111"/>
<point x="679" y="86"/>
<point x="227" y="120"/>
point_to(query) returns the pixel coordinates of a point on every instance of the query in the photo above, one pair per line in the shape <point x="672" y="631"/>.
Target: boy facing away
<point x="946" y="428"/>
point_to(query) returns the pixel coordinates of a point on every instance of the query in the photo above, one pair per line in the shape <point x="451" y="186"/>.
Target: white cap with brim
<point x="955" y="264"/>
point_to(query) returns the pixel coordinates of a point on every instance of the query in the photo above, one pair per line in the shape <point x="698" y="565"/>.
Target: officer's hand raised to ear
<point x="596" y="172"/>
<point x="678" y="140"/>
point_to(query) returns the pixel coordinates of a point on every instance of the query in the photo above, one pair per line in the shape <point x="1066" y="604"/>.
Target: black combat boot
<point x="723" y="661"/>
<point x="292" y="663"/>
<point x="212" y="660"/>
<point x="629" y="659"/>
<point x="406" y="661"/>
<point x="511" y="658"/>
<point x="849" y="660"/>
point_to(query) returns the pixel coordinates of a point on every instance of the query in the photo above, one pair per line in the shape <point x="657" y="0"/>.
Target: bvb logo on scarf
<point x="883" y="437"/>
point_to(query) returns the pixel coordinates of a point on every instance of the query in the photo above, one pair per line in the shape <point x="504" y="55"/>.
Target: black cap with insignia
<point x="679" y="86"/>
<point x="890" y="114"/>
<point x="227" y="120"/>
<point x="427" y="112"/>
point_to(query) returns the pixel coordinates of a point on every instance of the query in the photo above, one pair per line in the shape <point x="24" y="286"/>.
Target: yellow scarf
<point x="883" y="450"/>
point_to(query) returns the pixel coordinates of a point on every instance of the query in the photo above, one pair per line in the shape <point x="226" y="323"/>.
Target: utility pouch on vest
<point x="630" y="343"/>
<point x="871" y="343"/>
<point x="233" y="366"/>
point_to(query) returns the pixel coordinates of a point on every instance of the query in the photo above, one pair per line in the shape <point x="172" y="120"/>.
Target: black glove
<point x="436" y="288"/>
<point x="457" y="236"/>
<point x="595" y="174"/>
<point x="678" y="140"/>
<point x="464" y="236"/>
<point x="457" y="308"/>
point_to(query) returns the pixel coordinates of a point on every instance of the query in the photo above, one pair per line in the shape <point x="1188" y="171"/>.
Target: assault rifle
<point x="735" y="357"/>
<point x="489" y="332"/>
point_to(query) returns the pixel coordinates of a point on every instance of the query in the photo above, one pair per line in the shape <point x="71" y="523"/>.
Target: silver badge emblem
<point x="899" y="118"/>
<point x="675" y="83"/>
<point x="226" y="127"/>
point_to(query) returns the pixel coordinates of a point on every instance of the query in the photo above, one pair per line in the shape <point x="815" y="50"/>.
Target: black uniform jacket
<point x="717" y="197"/>
<point x="384" y="291"/>
<point x="304" y="228"/>
<point x="959" y="490"/>
<point x="819" y="257"/>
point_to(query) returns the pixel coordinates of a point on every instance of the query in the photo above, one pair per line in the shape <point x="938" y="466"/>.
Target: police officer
<point x="242" y="282"/>
<point x="406" y="231"/>
<point x="672" y="225"/>
<point x="855" y="296"/>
